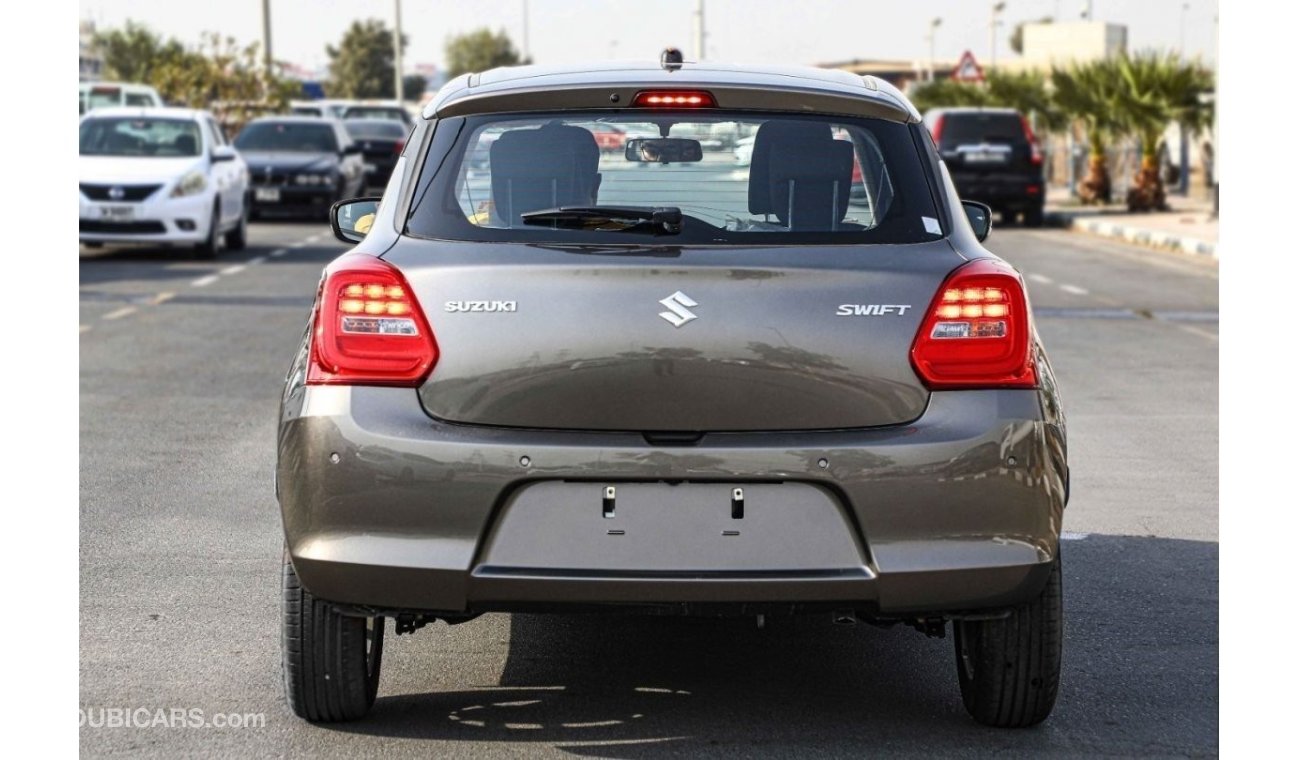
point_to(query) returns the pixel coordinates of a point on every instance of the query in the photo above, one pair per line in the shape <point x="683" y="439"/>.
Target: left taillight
<point x="977" y="332"/>
<point x="368" y="328"/>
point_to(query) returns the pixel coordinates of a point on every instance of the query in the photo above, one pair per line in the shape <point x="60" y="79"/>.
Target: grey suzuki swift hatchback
<point x="743" y="355"/>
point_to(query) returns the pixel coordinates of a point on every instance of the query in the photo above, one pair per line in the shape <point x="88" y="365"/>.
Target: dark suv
<point x="993" y="158"/>
<point x="552" y="378"/>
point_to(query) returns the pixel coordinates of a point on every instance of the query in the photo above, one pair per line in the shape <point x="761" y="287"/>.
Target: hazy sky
<point x="790" y="31"/>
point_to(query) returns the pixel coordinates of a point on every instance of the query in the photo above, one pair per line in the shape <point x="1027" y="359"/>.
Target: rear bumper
<point x="420" y="515"/>
<point x="1012" y="192"/>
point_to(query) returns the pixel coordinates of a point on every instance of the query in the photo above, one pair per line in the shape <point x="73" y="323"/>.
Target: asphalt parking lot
<point x="181" y="368"/>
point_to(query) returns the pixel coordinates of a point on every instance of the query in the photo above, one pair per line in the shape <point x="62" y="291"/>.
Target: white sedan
<point x="162" y="176"/>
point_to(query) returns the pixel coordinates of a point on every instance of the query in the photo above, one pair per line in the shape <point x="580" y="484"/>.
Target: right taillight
<point x="976" y="333"/>
<point x="368" y="328"/>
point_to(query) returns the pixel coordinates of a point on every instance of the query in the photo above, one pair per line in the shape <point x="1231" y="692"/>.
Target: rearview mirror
<point x="223" y="153"/>
<point x="980" y="217"/>
<point x="663" y="150"/>
<point x="351" y="220"/>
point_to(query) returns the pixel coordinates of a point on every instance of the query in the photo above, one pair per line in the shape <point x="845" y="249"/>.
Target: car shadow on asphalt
<point x="1140" y="673"/>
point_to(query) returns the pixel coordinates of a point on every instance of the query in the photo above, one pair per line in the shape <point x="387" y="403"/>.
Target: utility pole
<point x="699" y="30"/>
<point x="995" y="10"/>
<point x="397" y="49"/>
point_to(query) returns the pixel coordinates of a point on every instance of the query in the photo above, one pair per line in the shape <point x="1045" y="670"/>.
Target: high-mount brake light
<point x="977" y="333"/>
<point x="674" y="99"/>
<point x="368" y="329"/>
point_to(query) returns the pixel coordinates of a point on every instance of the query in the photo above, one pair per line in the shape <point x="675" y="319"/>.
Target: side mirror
<point x="980" y="217"/>
<point x="350" y="220"/>
<point x="223" y="153"/>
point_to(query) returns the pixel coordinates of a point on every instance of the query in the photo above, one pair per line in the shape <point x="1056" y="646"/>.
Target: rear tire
<point x="1034" y="217"/>
<point x="1007" y="218"/>
<point x="209" y="248"/>
<point x="330" y="661"/>
<point x="237" y="239"/>
<point x="1010" y="669"/>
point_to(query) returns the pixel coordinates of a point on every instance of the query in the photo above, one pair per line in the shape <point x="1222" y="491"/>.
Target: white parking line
<point x="1075" y="289"/>
<point x="203" y="282"/>
<point x="278" y="252"/>
<point x="163" y="297"/>
<point x="1196" y="331"/>
<point x="125" y="311"/>
<point x="236" y="269"/>
<point x="299" y="244"/>
<point x="256" y="260"/>
<point x="84" y="328"/>
<point x="1041" y="279"/>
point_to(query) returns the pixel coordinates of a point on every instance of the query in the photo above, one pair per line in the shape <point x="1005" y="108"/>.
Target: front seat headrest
<point x="533" y="169"/>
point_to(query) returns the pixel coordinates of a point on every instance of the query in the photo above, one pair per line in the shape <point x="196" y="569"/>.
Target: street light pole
<point x="994" y="11"/>
<point x="397" y="49"/>
<point x="699" y="30"/>
<point x="527" y="55"/>
<point x="934" y="24"/>
<point x="266" y="36"/>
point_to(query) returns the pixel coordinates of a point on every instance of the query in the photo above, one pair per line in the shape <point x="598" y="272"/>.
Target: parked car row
<point x="170" y="176"/>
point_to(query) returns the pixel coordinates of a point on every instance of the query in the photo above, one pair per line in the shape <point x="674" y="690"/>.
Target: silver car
<point x="551" y="378"/>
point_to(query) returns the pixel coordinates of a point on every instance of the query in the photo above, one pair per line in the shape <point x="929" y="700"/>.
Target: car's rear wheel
<point x="212" y="244"/>
<point x="1034" y="217"/>
<point x="1010" y="669"/>
<point x="330" y="661"/>
<point x="1007" y="218"/>
<point x="237" y="239"/>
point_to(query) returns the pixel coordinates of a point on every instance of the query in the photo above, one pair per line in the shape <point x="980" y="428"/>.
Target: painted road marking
<point x="1041" y="279"/>
<point x="125" y="311"/>
<point x="256" y="260"/>
<point x="236" y="269"/>
<point x="278" y="252"/>
<point x="160" y="298"/>
<point x="85" y="328"/>
<point x="1069" y="535"/>
<point x="203" y="282"/>
<point x="1075" y="289"/>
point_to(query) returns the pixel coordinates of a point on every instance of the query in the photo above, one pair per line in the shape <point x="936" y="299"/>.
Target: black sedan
<point x="381" y="142"/>
<point x="300" y="165"/>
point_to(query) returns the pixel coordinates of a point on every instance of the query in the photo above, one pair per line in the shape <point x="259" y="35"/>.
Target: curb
<point x="1165" y="241"/>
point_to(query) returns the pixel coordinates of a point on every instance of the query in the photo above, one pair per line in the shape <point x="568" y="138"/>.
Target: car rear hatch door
<point x="672" y="339"/>
<point x="985" y="144"/>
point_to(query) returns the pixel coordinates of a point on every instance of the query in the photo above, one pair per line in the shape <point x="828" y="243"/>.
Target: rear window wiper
<point x="664" y="220"/>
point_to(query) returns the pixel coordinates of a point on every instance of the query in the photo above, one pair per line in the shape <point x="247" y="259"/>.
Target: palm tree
<point x="1157" y="90"/>
<point x="948" y="93"/>
<point x="1090" y="95"/>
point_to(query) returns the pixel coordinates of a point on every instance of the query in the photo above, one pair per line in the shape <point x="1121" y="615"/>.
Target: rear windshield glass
<point x="739" y="178"/>
<point x="961" y="128"/>
<point x="374" y="112"/>
<point x="292" y="137"/>
<point x="364" y="130"/>
<point x="158" y="138"/>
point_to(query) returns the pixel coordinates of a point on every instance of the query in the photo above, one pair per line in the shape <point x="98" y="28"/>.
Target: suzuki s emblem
<point x="677" y="312"/>
<point x="117" y="193"/>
